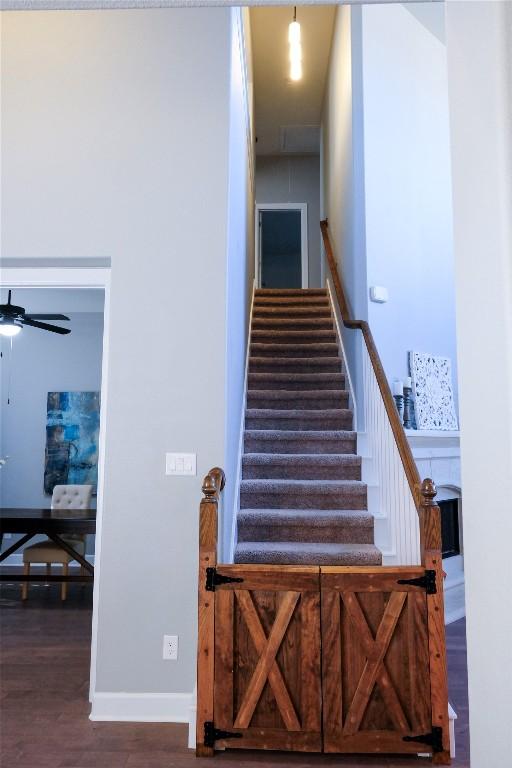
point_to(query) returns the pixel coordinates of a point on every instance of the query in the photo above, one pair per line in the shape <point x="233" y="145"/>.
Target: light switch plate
<point x="180" y="464"/>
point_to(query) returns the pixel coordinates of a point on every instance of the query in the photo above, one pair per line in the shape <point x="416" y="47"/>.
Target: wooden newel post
<point x="431" y="559"/>
<point x="208" y="527"/>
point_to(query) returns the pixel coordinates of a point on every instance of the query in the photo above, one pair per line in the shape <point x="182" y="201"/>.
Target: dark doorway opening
<point x="281" y="248"/>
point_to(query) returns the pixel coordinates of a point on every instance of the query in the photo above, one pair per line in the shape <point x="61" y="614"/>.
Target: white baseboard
<point x="192" y="719"/>
<point x="142" y="707"/>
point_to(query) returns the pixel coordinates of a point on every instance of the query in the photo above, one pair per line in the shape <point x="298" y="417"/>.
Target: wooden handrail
<point x="401" y="441"/>
<point x="212" y="487"/>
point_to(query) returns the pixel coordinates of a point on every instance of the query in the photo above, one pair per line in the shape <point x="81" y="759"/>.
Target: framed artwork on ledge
<point x="433" y="391"/>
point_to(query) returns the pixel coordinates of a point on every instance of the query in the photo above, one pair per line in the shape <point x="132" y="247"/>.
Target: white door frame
<point x="303" y="208"/>
<point x="79" y="277"/>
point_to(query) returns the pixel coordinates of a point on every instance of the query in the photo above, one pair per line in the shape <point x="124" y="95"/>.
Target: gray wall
<point x="115" y="144"/>
<point x="41" y="362"/>
<point x="294" y="179"/>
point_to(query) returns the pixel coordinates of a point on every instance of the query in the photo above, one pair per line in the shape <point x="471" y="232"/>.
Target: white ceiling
<point x="280" y="102"/>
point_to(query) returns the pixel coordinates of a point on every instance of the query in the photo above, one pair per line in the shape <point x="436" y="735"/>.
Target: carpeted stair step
<point x="296" y="553"/>
<point x="301" y="466"/>
<point x="306" y="441"/>
<point x="301" y="311"/>
<point x="291" y="301"/>
<point x="292" y="324"/>
<point x="294" y="350"/>
<point x="295" y="364"/>
<point x="315" y="336"/>
<point x="290" y="399"/>
<point x="303" y="292"/>
<point x="296" y="381"/>
<point x="335" y="526"/>
<point x="274" y="418"/>
<point x="302" y="494"/>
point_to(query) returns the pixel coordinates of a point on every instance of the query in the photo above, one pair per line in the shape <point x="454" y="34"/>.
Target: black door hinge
<point x="427" y="581"/>
<point x="213" y="734"/>
<point x="214" y="579"/>
<point x="434" y="739"/>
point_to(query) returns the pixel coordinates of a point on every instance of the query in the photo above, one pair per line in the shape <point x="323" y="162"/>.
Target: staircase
<point x="302" y="500"/>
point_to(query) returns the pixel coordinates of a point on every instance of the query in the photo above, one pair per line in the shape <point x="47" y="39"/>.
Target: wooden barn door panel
<point x="268" y="657"/>
<point x="375" y="660"/>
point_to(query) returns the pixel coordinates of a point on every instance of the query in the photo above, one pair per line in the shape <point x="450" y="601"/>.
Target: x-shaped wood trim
<point x="267" y="667"/>
<point x="374" y="668"/>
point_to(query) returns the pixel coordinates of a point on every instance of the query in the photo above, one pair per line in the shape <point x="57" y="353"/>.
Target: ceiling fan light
<point x="9" y="328"/>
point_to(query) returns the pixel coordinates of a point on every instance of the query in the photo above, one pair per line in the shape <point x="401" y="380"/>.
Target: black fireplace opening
<point x="450" y="534"/>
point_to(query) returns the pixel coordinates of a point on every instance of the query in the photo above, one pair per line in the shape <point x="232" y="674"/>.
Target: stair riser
<point x="297" y="499"/>
<point x="255" y="444"/>
<point x="290" y="292"/>
<point x="300" y="421"/>
<point x="301" y="472"/>
<point x="257" y="400"/>
<point x="290" y="313"/>
<point x="293" y="337"/>
<point x="295" y="324"/>
<point x="291" y="365"/>
<point x="291" y="301"/>
<point x="267" y="381"/>
<point x="294" y="350"/>
<point x="334" y="534"/>
<point x="297" y="558"/>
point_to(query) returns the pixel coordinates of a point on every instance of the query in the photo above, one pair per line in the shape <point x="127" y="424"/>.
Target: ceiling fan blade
<point x="46" y="317"/>
<point x="45" y="326"/>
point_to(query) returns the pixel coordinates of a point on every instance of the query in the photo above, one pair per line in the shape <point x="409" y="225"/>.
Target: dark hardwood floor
<point x="44" y="699"/>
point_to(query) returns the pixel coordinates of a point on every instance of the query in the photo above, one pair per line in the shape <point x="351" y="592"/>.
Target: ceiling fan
<point x="13" y="318"/>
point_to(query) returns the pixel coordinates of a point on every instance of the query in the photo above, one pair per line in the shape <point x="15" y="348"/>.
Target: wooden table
<point x="53" y="523"/>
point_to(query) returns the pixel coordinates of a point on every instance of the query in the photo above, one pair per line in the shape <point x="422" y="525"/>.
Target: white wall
<point x="115" y="144"/>
<point x="294" y="179"/>
<point x="43" y="362"/>
<point x="408" y="184"/>
<point x="343" y="175"/>
<point x="240" y="264"/>
<point x="386" y="178"/>
<point x="479" y="45"/>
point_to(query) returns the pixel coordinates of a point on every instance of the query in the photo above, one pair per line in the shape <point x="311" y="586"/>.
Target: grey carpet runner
<point x="302" y="500"/>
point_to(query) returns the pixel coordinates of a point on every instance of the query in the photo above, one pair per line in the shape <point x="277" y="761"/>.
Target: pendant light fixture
<point x="295" y="48"/>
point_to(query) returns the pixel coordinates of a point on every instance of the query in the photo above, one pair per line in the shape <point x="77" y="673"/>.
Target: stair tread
<point x="314" y="486"/>
<point x="295" y="360"/>
<point x="310" y="434"/>
<point x="299" y="394"/>
<point x="311" y="516"/>
<point x="290" y="552"/>
<point x="294" y="458"/>
<point x="291" y="413"/>
<point x="289" y="291"/>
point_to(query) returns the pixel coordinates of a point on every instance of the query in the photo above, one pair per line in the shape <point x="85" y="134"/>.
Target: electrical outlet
<point x="170" y="647"/>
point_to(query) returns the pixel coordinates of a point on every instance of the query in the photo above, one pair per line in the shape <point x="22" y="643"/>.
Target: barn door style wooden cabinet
<point x="321" y="658"/>
<point x="325" y="659"/>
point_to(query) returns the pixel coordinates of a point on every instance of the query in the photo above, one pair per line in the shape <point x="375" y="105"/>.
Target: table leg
<point x="16" y="546"/>
<point x="71" y="552"/>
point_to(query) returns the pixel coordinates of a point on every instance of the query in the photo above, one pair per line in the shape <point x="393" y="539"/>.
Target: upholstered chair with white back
<point x="48" y="552"/>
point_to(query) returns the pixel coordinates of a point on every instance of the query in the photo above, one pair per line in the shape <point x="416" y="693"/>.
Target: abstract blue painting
<point x="72" y="431"/>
